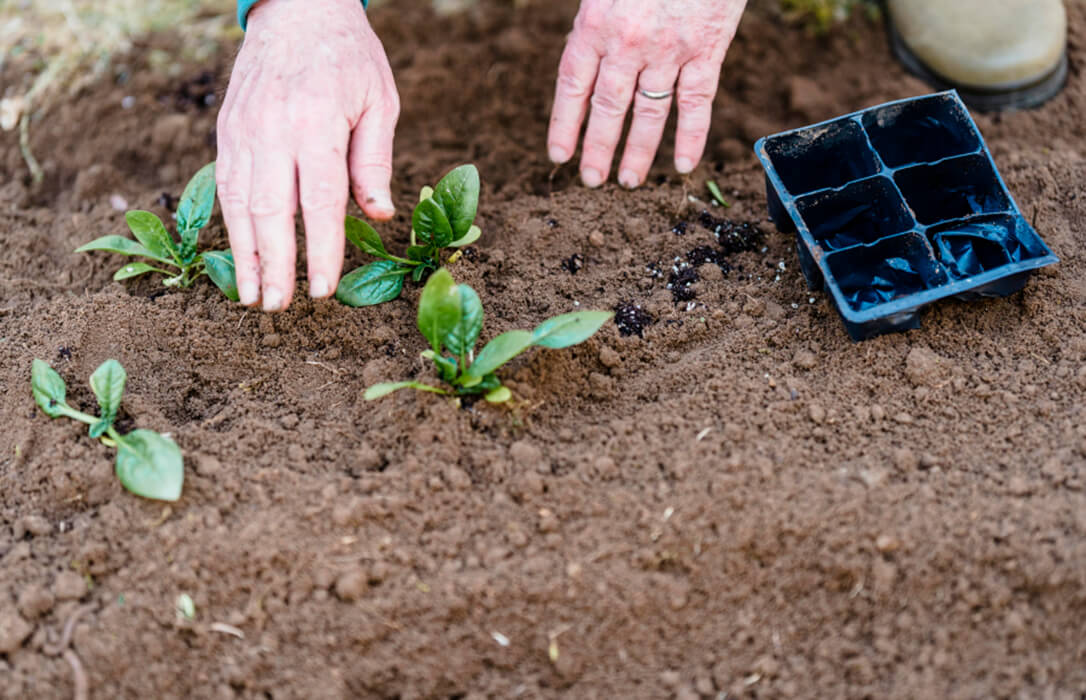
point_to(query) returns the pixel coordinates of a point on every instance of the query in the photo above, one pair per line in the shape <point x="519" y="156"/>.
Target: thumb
<point x="370" y="158"/>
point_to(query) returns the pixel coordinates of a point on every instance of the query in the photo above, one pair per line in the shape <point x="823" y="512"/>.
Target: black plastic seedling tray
<point x="897" y="206"/>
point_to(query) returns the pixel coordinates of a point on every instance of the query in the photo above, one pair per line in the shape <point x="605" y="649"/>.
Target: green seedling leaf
<point x="420" y="253"/>
<point x="431" y="224"/>
<point x="418" y="272"/>
<point x="195" y="206"/>
<point x="446" y="366"/>
<point x="385" y="388"/>
<point x="136" y="269"/>
<point x="219" y="266"/>
<point x="458" y="195"/>
<point x="107" y="382"/>
<point x="364" y="237"/>
<point x="439" y="308"/>
<point x="569" y="329"/>
<point x="122" y="245"/>
<point x="150" y="465"/>
<point x="714" y="190"/>
<point x="426" y="192"/>
<point x="372" y="284"/>
<point x="499" y="351"/>
<point x="462" y="338"/>
<point x="48" y="389"/>
<point x="151" y="232"/>
<point x="470" y="237"/>
<point x="499" y="395"/>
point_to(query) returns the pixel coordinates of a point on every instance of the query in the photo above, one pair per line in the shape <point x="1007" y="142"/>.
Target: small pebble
<point x="596" y="239"/>
<point x="35" y="601"/>
<point x="13" y="631"/>
<point x="352" y="584"/>
<point x="609" y="358"/>
<point x="887" y="543"/>
<point x="905" y="459"/>
<point x="69" y="586"/>
<point x="548" y="521"/>
<point x="805" y="359"/>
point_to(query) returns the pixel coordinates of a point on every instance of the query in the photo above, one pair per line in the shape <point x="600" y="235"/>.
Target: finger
<point x="272" y="205"/>
<point x="647" y="127"/>
<point x="610" y="101"/>
<point x="233" y="173"/>
<point x="695" y="92"/>
<point x="322" y="188"/>
<point x="370" y="159"/>
<point x="576" y="76"/>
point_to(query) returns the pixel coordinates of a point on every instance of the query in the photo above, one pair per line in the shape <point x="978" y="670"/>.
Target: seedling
<point x="148" y="464"/>
<point x="451" y="318"/>
<point x="155" y="243"/>
<point x="718" y="196"/>
<point x="443" y="219"/>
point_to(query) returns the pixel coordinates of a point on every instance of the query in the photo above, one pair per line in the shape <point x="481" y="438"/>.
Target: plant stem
<point x="77" y="415"/>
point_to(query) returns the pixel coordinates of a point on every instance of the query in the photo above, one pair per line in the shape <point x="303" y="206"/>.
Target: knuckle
<point x="263" y="205"/>
<point x="230" y="195"/>
<point x="322" y="195"/>
<point x="695" y="100"/>
<point x="607" y="104"/>
<point x="569" y="84"/>
<point x="652" y="110"/>
<point x="391" y="105"/>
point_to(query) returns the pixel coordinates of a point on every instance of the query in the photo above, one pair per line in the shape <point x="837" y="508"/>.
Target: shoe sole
<point x="1010" y="97"/>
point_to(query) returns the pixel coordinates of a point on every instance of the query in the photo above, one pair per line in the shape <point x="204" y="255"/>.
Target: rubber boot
<point x="998" y="54"/>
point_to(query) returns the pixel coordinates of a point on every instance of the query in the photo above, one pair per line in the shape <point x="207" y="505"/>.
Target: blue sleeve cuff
<point x="245" y="5"/>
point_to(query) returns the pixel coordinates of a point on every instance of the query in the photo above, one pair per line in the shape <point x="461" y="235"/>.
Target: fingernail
<point x="591" y="177"/>
<point x="628" y="179"/>
<point x="248" y="293"/>
<point x="558" y="154"/>
<point x="684" y="165"/>
<point x="273" y="299"/>
<point x="382" y="201"/>
<point x="318" y="287"/>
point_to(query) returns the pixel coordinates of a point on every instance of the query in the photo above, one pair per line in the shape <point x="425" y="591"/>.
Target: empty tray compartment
<point x="925" y="130"/>
<point x="953" y="189"/>
<point x="863" y="212"/>
<point x="869" y="276"/>
<point x="979" y="244"/>
<point x="827" y="155"/>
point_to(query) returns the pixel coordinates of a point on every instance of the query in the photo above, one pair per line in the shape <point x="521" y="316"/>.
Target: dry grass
<point x="51" y="48"/>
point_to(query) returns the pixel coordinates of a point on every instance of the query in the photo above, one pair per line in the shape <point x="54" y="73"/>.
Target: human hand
<point x="618" y="51"/>
<point x="309" y="115"/>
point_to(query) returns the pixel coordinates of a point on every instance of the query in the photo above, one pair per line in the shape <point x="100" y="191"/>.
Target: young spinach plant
<point x="148" y="464"/>
<point x="155" y="243"/>
<point x="444" y="218"/>
<point x="451" y="318"/>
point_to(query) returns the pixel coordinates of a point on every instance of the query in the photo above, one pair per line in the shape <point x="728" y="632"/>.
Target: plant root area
<point x="719" y="496"/>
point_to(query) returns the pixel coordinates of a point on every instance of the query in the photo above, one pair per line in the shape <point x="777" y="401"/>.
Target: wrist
<point x="250" y="8"/>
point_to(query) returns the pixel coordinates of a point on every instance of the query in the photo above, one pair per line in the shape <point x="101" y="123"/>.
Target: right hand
<point x="309" y="115"/>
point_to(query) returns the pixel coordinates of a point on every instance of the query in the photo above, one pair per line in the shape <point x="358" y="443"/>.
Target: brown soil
<point x="740" y="503"/>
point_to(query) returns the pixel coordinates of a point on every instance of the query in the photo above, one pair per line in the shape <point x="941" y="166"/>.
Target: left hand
<point x="620" y="49"/>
